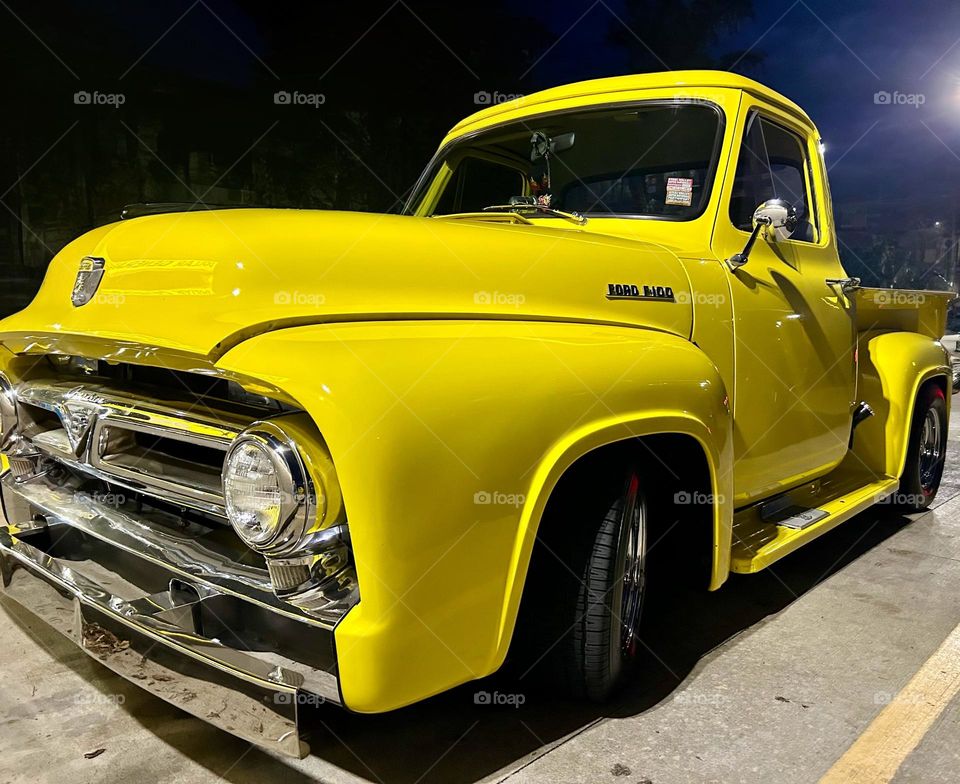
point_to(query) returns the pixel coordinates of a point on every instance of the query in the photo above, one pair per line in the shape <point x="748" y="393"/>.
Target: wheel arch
<point x="618" y="441"/>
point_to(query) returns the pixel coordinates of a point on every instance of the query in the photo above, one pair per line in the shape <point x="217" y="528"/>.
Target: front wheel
<point x="610" y="587"/>
<point x="926" y="451"/>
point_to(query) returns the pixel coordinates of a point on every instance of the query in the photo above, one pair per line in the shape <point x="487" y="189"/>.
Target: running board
<point x="765" y="533"/>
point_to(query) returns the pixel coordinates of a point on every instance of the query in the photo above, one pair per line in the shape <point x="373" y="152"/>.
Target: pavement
<point x="841" y="664"/>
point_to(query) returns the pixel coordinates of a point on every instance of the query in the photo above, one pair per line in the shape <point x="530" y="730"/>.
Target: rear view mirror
<point x="541" y="144"/>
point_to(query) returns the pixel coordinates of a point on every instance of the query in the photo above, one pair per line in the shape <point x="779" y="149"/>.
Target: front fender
<point x="448" y="438"/>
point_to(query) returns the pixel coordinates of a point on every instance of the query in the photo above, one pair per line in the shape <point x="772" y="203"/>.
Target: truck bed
<point x="907" y="310"/>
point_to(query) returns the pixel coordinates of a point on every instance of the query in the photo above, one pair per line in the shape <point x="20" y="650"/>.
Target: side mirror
<point x="776" y="218"/>
<point x="779" y="217"/>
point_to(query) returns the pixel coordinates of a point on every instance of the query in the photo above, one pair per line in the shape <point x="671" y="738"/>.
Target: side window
<point x="773" y="165"/>
<point x="477" y="183"/>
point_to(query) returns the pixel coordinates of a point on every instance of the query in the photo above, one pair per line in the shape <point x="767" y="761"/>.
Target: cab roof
<point x="680" y="80"/>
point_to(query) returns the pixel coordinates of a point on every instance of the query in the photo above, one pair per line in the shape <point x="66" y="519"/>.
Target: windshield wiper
<point x="573" y="217"/>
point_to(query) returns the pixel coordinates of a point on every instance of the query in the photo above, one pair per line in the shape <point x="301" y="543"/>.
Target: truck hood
<point x="201" y="282"/>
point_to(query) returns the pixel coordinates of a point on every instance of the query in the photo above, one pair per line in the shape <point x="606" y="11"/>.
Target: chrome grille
<point x="77" y="444"/>
<point x="166" y="450"/>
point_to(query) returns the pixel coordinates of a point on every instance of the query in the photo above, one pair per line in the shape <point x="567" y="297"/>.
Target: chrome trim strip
<point x="251" y="697"/>
<point x="50" y="393"/>
<point x="8" y="412"/>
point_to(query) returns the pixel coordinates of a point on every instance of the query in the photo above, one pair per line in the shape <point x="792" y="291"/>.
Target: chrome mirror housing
<point x="776" y="218"/>
<point x="779" y="218"/>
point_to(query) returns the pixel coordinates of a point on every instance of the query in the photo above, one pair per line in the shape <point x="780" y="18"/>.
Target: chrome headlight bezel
<point x="301" y="503"/>
<point x="9" y="417"/>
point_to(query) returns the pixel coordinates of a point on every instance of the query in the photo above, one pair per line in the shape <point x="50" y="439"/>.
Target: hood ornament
<point x="88" y="280"/>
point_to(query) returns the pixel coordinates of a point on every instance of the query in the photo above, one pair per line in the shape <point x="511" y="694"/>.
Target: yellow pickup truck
<point x="259" y="459"/>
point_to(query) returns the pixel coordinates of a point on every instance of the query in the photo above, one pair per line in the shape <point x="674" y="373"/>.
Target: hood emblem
<point x="88" y="280"/>
<point x="632" y="291"/>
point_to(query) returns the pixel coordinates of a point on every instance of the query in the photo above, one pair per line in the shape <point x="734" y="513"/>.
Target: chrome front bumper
<point x="204" y="639"/>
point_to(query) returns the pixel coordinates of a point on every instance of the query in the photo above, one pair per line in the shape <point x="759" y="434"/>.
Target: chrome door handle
<point x="845" y="284"/>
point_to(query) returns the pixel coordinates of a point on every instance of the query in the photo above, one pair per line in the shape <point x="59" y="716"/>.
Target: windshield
<point x="651" y="160"/>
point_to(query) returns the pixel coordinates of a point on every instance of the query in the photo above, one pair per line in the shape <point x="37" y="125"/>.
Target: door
<point x="794" y="338"/>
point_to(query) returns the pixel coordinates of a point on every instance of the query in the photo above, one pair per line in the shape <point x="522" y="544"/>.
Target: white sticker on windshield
<point x="680" y="191"/>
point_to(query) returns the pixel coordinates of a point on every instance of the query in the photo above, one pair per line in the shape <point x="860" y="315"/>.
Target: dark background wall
<point x="107" y="103"/>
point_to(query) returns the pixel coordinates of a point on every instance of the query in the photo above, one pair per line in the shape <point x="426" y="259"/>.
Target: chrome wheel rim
<point x="632" y="587"/>
<point x="931" y="449"/>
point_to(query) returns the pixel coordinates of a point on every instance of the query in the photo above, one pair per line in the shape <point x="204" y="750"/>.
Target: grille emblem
<point x="88" y="280"/>
<point x="77" y="423"/>
<point x="78" y="413"/>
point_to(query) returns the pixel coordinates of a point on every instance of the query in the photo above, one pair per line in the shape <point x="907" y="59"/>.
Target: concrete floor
<point x="769" y="680"/>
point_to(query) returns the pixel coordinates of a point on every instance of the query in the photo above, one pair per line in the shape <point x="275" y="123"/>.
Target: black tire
<point x="602" y="646"/>
<point x="926" y="451"/>
<point x="568" y="638"/>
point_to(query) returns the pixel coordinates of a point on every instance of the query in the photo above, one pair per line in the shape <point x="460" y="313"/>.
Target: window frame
<point x="428" y="180"/>
<point x="480" y="155"/>
<point x="803" y="139"/>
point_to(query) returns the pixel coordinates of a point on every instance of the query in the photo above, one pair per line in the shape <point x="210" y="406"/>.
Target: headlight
<point x="254" y="496"/>
<point x="279" y="485"/>
<point x="283" y="499"/>
<point x="269" y="496"/>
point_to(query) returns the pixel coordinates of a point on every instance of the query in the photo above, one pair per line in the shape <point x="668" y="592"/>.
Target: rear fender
<point x="893" y="367"/>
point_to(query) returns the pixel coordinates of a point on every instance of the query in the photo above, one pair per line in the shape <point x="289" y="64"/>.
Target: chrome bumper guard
<point x="164" y="626"/>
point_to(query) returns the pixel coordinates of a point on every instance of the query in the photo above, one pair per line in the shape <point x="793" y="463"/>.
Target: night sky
<point x="831" y="58"/>
<point x="421" y="61"/>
